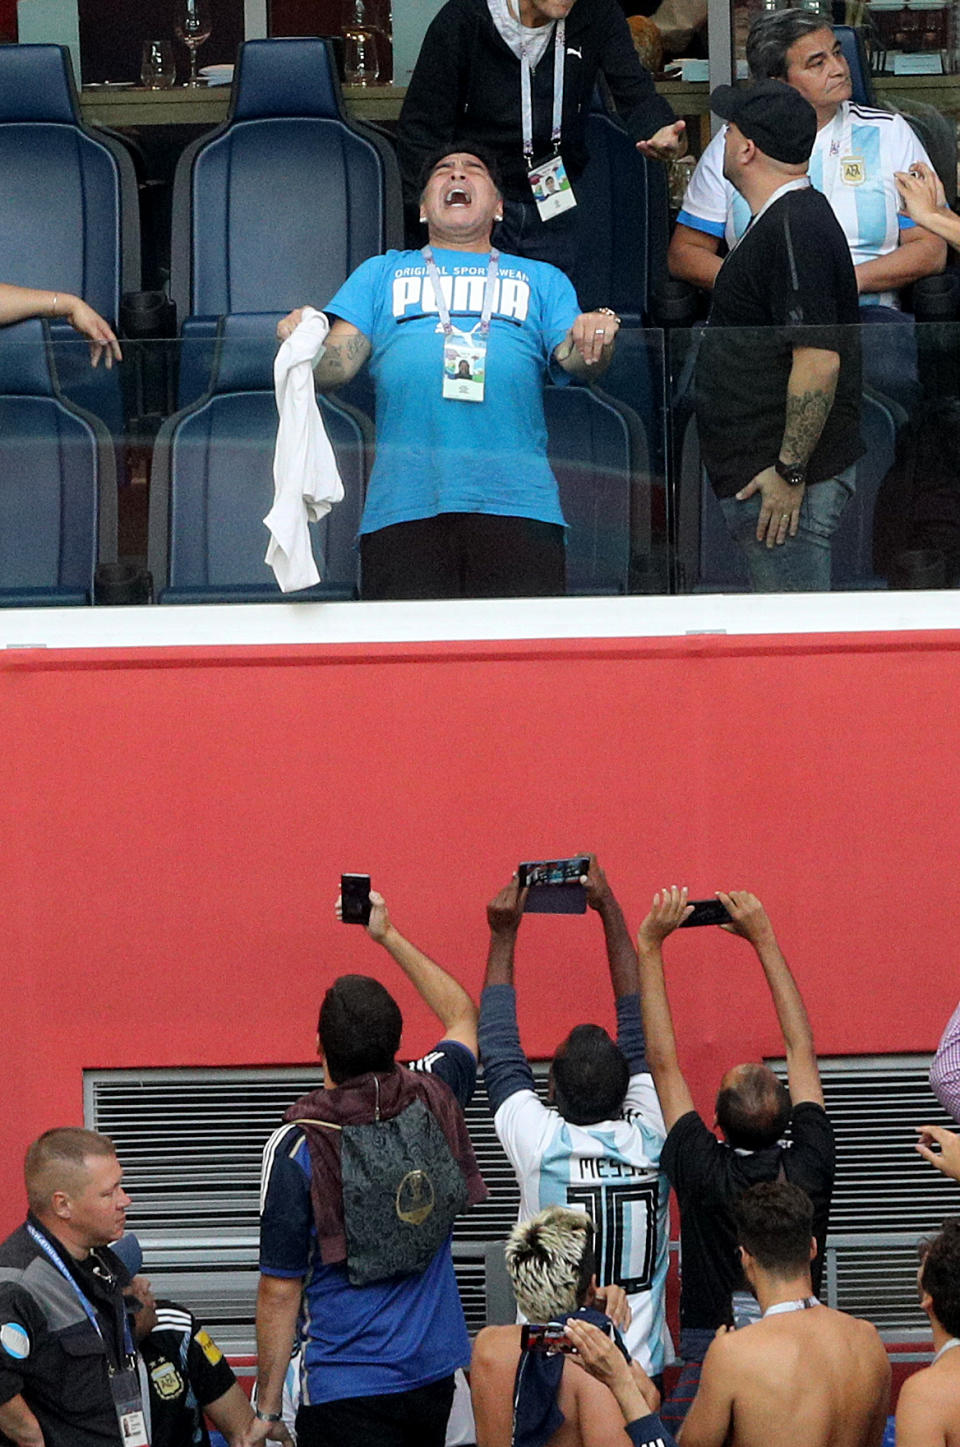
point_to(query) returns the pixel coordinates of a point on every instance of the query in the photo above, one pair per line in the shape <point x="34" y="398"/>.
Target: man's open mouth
<point x="456" y="196"/>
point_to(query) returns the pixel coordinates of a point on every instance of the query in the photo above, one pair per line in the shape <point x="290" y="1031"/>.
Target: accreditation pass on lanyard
<point x="464" y="353"/>
<point x="125" y="1380"/>
<point x="548" y="178"/>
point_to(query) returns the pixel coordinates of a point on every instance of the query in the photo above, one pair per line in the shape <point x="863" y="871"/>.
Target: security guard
<point x="68" y="1369"/>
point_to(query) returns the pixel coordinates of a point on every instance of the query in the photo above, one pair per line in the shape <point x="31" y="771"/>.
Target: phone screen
<point x="355" y="898"/>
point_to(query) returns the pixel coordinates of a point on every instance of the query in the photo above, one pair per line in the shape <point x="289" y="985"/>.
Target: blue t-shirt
<point x="361" y="1341"/>
<point x="436" y="454"/>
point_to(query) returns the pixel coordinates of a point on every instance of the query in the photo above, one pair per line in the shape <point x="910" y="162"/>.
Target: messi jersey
<point x="610" y="1170"/>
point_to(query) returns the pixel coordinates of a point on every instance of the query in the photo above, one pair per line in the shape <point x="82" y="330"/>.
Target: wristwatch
<point x="793" y="473"/>
<point x="267" y="1416"/>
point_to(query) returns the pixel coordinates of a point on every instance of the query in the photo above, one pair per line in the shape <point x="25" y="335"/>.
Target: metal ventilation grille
<point x="191" y="1142"/>
<point x="886" y="1196"/>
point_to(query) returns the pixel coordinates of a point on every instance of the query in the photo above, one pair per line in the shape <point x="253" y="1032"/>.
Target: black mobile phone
<point x="355" y="898"/>
<point x="706" y="911"/>
<point x="554" y="885"/>
<point x="545" y="1338"/>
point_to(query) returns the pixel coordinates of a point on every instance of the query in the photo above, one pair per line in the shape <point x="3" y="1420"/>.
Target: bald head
<point x="753" y="1107"/>
<point x="58" y="1161"/>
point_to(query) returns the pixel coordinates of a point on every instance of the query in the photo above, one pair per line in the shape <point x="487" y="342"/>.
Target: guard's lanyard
<point x="526" y="91"/>
<point x="953" y="1341"/>
<point x="780" y="1308"/>
<point x="489" y="287"/>
<point x="91" y="1314"/>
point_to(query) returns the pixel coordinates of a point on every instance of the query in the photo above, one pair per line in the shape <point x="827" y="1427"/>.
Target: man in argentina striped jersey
<point x="378" y="1360"/>
<point x="598" y="1148"/>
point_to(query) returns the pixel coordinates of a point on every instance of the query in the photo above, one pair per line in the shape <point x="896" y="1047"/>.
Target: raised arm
<point x="750" y="921"/>
<point x="504" y="914"/>
<point x="666" y="913"/>
<point x="447" y="999"/>
<point x="505" y="1067"/>
<point x="344" y="352"/>
<point x="621" y="955"/>
<point x="622" y="961"/>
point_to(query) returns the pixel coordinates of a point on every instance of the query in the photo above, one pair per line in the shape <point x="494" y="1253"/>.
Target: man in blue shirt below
<point x="461" y="502"/>
<point x="378" y="1360"/>
<point x="599" y="1150"/>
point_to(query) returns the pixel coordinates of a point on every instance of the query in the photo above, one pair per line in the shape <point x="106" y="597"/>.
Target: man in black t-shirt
<point x="778" y="374"/>
<point x="753" y="1110"/>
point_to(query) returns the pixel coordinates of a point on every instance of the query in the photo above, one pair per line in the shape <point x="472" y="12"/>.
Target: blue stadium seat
<point x="598" y="453"/>
<point x="58" y="481"/>
<point x="69" y="217"/>
<point x="211" y="484"/>
<point x="281" y="203"/>
<point x="710" y="560"/>
<point x="623" y="223"/>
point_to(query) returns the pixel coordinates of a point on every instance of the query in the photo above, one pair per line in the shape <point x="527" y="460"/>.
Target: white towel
<point x="305" y="476"/>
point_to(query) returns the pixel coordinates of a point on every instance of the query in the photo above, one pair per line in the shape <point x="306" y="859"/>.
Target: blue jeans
<point x="801" y="564"/>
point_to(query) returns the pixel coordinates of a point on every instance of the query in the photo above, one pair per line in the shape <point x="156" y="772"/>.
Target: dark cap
<point x="773" y="115"/>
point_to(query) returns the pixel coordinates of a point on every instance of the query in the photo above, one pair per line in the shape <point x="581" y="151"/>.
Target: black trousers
<point x="399" y="1419"/>
<point x="463" y="555"/>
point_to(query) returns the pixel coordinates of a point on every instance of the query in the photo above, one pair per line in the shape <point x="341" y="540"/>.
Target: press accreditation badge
<point x="464" y="366"/>
<point x="551" y="187"/>
<point x="133" y="1430"/>
<point x="853" y="170"/>
<point x="125" y="1390"/>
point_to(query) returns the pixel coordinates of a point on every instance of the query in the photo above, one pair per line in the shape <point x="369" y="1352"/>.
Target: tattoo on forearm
<point x="806" y="415"/>
<point x="340" y="360"/>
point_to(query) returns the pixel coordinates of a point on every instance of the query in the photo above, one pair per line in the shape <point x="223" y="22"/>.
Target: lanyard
<point x="781" y="1307"/>
<point x="951" y="1342"/>
<point x="68" y="1276"/>
<point x="493" y="266"/>
<point x="526" y="94"/>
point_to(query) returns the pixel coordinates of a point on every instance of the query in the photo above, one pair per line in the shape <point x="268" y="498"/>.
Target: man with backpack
<point x="360" y="1186"/>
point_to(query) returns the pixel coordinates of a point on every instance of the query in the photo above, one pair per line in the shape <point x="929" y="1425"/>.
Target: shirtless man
<point x="928" y="1412"/>
<point x="804" y="1375"/>
<point x="550" y="1264"/>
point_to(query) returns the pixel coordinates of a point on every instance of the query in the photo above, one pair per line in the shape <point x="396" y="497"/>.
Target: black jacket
<point x="49" y="1351"/>
<point x="466" y="87"/>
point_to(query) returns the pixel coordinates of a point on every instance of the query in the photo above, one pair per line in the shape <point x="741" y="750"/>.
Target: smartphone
<point x="545" y="1338"/>
<point x="554" y="885"/>
<point x="355" y="898"/>
<point x="706" y="911"/>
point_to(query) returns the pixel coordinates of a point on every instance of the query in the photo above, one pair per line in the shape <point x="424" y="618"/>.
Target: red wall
<point x="175" y="823"/>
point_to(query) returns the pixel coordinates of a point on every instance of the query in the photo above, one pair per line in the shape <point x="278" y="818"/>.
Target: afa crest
<point x="853" y="171"/>
<point x="167" y="1381"/>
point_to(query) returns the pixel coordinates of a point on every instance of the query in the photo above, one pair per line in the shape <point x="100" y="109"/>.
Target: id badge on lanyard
<point x="464" y="353"/>
<point x="128" y="1405"/>
<point x="464" y="365"/>
<point x="548" y="179"/>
